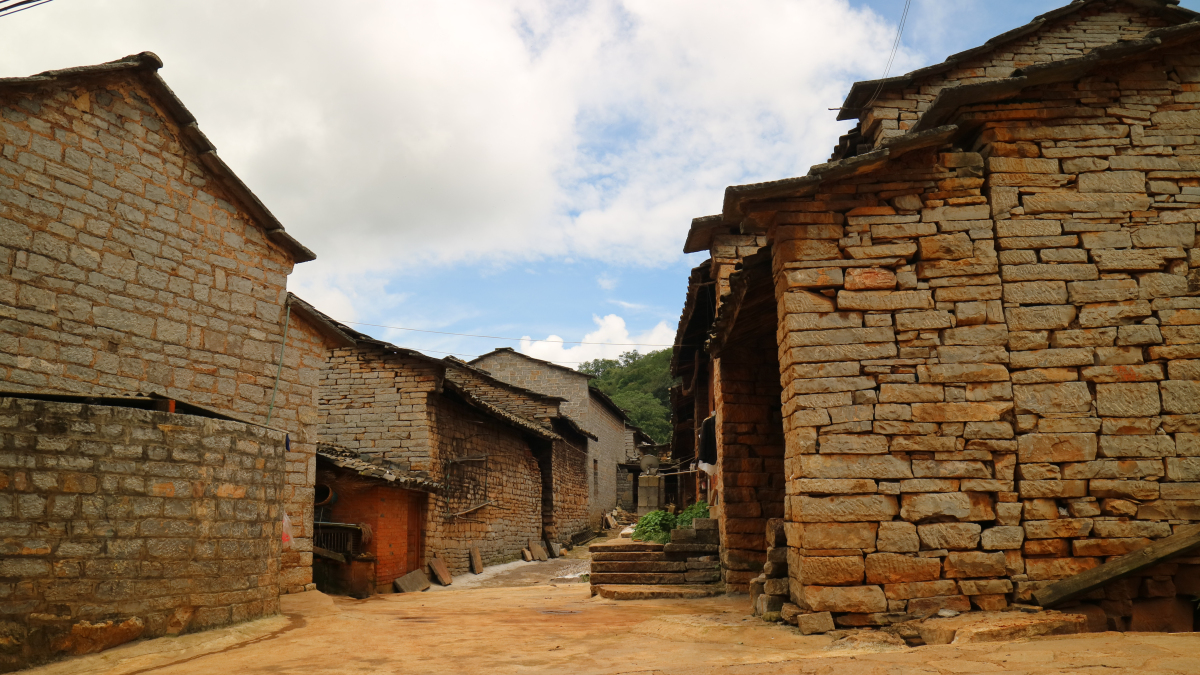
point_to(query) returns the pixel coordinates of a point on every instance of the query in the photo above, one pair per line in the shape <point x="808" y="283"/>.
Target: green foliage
<point x="638" y="384"/>
<point x="655" y="526"/>
<point x="683" y="520"/>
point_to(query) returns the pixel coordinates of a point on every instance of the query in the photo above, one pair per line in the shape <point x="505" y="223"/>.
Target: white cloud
<point x="610" y="339"/>
<point x="606" y="282"/>
<point x="392" y="134"/>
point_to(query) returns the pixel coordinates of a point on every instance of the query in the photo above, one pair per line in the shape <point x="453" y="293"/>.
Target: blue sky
<point x="508" y="167"/>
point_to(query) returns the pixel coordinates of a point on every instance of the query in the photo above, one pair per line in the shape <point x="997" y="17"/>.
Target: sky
<point x="522" y="169"/>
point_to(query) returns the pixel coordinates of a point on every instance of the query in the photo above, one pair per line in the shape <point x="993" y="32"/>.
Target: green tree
<point x="638" y="383"/>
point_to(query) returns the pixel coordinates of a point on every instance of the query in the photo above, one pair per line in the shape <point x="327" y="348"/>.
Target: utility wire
<point x="495" y="337"/>
<point x="895" y="47"/>
<point x="11" y="7"/>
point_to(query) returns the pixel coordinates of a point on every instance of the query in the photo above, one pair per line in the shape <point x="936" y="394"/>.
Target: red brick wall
<point x="395" y="517"/>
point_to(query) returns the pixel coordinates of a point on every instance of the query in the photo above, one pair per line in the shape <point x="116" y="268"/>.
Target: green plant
<point x="655" y="526"/>
<point x="686" y="516"/>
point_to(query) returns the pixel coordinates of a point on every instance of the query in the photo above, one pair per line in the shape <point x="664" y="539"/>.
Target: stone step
<point x="605" y="566"/>
<point x="638" y="578"/>
<point x="625" y="545"/>
<point x="693" y="549"/>
<point x="636" y="556"/>
<point x="657" y="592"/>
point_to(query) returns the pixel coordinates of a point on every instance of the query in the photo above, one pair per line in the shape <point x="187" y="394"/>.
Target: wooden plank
<point x="326" y="553"/>
<point x="1130" y="563"/>
<point x="476" y="560"/>
<point x="440" y="571"/>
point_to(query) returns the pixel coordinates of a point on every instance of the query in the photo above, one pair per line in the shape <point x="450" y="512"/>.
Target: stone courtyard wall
<point x="118" y="523"/>
<point x="989" y="353"/>
<point x="127" y="267"/>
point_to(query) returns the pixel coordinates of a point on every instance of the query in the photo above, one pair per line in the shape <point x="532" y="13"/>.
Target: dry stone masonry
<point x="118" y="523"/>
<point x="987" y="329"/>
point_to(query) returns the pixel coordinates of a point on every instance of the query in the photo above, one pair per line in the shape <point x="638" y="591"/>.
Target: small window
<point x="596" y="475"/>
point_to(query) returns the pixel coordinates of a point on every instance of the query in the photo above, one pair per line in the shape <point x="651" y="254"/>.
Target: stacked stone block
<point x="895" y="111"/>
<point x="121" y="523"/>
<point x="127" y="266"/>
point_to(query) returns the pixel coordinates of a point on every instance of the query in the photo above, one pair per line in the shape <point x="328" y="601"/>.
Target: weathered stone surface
<point x="985" y="587"/>
<point x="1105" y="290"/>
<point x="1074" y="202"/>
<point x="1045" y="489"/>
<point x="855" y="466"/>
<point x="1057" y="529"/>
<point x="898" y="537"/>
<point x="1123" y="489"/>
<point x="1036" y="272"/>
<point x="942" y="506"/>
<point x="823" y="321"/>
<point x="1127" y="400"/>
<point x="938" y="269"/>
<point x="920" y="589"/>
<point x="932" y="468"/>
<point x="1044" y="317"/>
<point x="413" y="582"/>
<point x="839" y="535"/>
<point x="1152" y="372"/>
<point x="1062" y="397"/>
<point x="959" y="412"/>
<point x="1183" y="469"/>
<point x="845" y="508"/>
<point x="884" y="300"/>
<point x="1058" y="568"/>
<point x="1084" y="548"/>
<point x="1137" y="446"/>
<point x="1036" y="293"/>
<point x="942" y="213"/>
<point x="840" y="353"/>
<point x="1112" y="313"/>
<point x="819" y="277"/>
<point x="953" y="536"/>
<point x="1113" y="468"/>
<point x="932" y="320"/>
<point x="895" y="568"/>
<point x="1113" y="181"/>
<point x="859" y="444"/>
<point x="967" y="564"/>
<point x="1162" y="615"/>
<point x="858" y="599"/>
<point x="831" y="571"/>
<point x="990" y="334"/>
<point x="893" y="250"/>
<point x="869" y="279"/>
<point x="1005" y="537"/>
<point x="946" y="247"/>
<point x="1128" y="529"/>
<point x="1052" y="358"/>
<point x="1180" y="396"/>
<point x="911" y="393"/>
<point x="951" y="373"/>
<point x="847" y="486"/>
<point x="86" y="637"/>
<point x="815" y="623"/>
<point x="798" y="302"/>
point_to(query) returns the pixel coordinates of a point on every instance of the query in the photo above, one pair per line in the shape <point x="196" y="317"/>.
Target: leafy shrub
<point x="655" y="526"/>
<point x="686" y="516"/>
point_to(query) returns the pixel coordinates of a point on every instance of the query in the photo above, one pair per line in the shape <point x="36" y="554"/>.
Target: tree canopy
<point x="638" y="384"/>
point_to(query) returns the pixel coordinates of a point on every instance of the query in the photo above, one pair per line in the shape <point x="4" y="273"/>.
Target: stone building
<point x="132" y="260"/>
<point x="509" y="465"/>
<point x="612" y="451"/>
<point x="959" y="359"/>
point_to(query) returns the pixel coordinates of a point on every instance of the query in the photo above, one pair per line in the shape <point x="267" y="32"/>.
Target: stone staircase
<point x="688" y="567"/>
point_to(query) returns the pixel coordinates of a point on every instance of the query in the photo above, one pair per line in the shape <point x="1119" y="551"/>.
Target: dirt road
<point x="558" y="628"/>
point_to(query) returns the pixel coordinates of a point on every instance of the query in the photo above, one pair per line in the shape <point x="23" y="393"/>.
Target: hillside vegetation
<point x="638" y="383"/>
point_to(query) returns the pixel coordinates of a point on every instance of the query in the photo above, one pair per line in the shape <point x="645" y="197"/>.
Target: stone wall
<point x="568" y="498"/>
<point x="118" y="523"/>
<point x="509" y="482"/>
<point x="896" y="111"/>
<point x="987" y="351"/>
<point x="378" y="403"/>
<point x="126" y="267"/>
<point x="542" y="377"/>
<point x="608" y="451"/>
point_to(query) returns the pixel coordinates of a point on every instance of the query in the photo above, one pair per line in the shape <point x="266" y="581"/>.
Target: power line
<point x="520" y="339"/>
<point x="12" y="7"/>
<point x="895" y="47"/>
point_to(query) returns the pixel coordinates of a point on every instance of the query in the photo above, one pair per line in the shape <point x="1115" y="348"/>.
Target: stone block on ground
<point x="1162" y="615"/>
<point x="413" y="582"/>
<point x="999" y="627"/>
<point x="440" y="571"/>
<point x="813" y="624"/>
